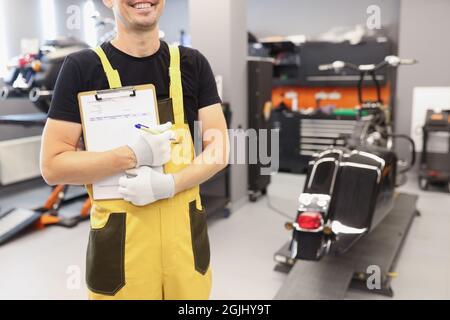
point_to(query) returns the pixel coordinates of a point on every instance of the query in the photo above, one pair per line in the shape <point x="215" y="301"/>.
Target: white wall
<point x="3" y="49"/>
<point x="219" y="31"/>
<point x="174" y="19"/>
<point x="286" y="17"/>
<point x="23" y="19"/>
<point x="20" y="21"/>
<point x="312" y="17"/>
<point x="424" y="28"/>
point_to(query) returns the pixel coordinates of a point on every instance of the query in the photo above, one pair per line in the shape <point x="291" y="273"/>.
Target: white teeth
<point x="142" y="5"/>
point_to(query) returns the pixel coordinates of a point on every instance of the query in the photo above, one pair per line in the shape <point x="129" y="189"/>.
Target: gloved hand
<point x="146" y="186"/>
<point x="153" y="149"/>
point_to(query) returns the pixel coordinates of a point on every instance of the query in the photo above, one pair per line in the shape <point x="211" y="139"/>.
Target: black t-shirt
<point x="83" y="71"/>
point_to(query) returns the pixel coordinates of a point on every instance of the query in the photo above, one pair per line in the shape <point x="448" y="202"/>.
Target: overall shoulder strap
<point x="176" y="87"/>
<point x="112" y="74"/>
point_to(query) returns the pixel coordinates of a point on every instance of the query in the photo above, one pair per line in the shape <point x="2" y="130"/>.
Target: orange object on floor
<point x="54" y="197"/>
<point x="85" y="210"/>
<point x="46" y="220"/>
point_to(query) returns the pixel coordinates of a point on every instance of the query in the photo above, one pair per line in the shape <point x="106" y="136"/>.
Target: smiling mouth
<point x="143" y="5"/>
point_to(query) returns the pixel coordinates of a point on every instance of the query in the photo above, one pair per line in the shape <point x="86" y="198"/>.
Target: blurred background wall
<point x="401" y="20"/>
<point x="287" y="17"/>
<point x="423" y="25"/>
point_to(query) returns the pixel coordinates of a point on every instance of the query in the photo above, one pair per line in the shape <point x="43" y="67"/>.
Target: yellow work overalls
<point x="160" y="251"/>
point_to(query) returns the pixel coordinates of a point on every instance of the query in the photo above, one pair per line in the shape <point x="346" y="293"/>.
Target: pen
<point x="151" y="131"/>
<point x="146" y="129"/>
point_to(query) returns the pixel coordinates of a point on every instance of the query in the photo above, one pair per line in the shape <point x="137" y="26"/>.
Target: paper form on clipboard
<point x="109" y="118"/>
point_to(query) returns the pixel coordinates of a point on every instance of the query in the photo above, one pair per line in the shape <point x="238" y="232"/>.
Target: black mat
<point x="331" y="277"/>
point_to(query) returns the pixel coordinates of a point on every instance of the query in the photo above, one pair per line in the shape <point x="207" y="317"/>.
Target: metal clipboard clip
<point x="124" y="92"/>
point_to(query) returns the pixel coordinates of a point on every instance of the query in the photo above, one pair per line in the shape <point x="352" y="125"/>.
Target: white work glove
<point x="153" y="149"/>
<point x="146" y="185"/>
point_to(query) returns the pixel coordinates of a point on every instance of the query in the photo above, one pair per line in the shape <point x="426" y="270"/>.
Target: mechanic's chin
<point x="145" y="24"/>
<point x="145" y="21"/>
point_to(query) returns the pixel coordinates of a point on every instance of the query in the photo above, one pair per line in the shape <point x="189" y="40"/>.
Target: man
<point x="153" y="243"/>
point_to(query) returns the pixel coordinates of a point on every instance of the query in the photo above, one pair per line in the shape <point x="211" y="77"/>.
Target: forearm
<point x="82" y="167"/>
<point x="205" y="166"/>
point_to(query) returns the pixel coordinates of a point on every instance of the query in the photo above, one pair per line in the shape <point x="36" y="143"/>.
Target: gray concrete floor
<point x="49" y="264"/>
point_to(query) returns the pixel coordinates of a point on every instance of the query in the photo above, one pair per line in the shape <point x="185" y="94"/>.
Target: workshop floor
<point x="49" y="264"/>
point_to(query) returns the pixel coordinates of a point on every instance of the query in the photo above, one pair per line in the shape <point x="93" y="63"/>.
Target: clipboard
<point x="108" y="118"/>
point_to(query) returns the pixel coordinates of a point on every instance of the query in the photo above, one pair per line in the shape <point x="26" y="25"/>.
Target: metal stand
<point x="434" y="167"/>
<point x="331" y="277"/>
<point x="25" y="120"/>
